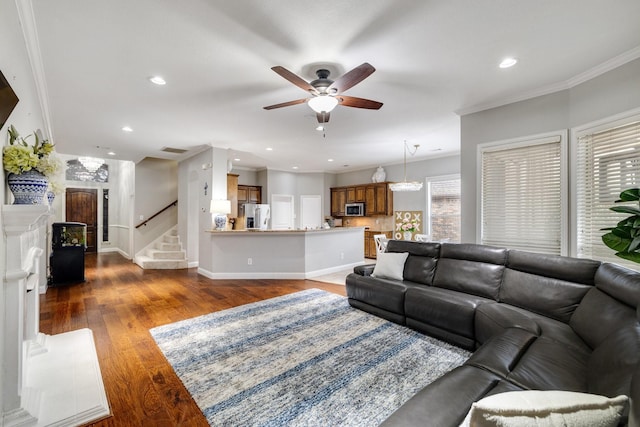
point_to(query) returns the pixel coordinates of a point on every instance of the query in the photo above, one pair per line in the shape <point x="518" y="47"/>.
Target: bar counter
<point x="280" y="254"/>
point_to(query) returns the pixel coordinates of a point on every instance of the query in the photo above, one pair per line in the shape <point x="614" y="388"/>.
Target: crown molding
<point x="594" y="72"/>
<point x="27" y="19"/>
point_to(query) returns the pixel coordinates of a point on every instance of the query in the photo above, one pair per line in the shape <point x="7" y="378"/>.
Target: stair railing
<point x="175" y="203"/>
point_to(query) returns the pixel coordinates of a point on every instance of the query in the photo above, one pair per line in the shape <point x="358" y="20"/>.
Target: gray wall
<point x="416" y="171"/>
<point x="611" y="93"/>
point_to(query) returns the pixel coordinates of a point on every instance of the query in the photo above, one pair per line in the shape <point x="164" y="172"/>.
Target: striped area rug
<point x="304" y="359"/>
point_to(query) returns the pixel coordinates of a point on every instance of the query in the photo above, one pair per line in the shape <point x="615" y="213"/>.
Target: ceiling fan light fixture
<point x="322" y="103"/>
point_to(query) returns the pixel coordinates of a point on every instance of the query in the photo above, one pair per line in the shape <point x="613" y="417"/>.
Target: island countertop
<point x="275" y="232"/>
<point x="280" y="254"/>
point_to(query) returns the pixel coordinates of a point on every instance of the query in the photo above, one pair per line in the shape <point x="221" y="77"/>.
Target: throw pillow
<point x="535" y="408"/>
<point x="390" y="265"/>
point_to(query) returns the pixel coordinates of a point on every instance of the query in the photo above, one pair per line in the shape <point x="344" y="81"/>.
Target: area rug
<point x="304" y="359"/>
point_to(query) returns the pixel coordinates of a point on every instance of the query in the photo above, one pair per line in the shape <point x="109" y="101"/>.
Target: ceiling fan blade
<point x="322" y="117"/>
<point x="351" y="78"/>
<point x="286" y="104"/>
<point x="352" y="101"/>
<point x="293" y="78"/>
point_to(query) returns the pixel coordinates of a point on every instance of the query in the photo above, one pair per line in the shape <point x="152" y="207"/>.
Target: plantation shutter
<point x="608" y="163"/>
<point x="521" y="196"/>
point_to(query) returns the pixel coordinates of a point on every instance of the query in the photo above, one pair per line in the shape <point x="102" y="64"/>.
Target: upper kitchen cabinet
<point x="249" y="194"/>
<point x="338" y="200"/>
<point x="377" y="197"/>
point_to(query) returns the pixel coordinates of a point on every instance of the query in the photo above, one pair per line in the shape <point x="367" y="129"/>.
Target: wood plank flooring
<point x="120" y="302"/>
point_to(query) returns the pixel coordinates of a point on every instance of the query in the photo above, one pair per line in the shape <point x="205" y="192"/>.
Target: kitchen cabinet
<point x="370" y="243"/>
<point x="377" y="197"/>
<point x="338" y="200"/>
<point x="356" y="194"/>
<point x="232" y="194"/>
<point x="249" y="194"/>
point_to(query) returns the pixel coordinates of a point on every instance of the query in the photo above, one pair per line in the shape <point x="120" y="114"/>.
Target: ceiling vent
<point x="174" y="150"/>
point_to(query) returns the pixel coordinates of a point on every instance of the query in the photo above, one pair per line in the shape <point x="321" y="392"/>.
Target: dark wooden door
<point x="82" y="206"/>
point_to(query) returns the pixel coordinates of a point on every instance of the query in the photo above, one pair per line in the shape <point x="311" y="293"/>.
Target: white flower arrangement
<point x="19" y="156"/>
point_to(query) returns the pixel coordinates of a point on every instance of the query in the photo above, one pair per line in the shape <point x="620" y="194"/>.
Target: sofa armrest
<point x="364" y="270"/>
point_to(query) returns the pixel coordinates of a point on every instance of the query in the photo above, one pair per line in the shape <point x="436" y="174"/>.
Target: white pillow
<point x="535" y="408"/>
<point x="390" y="265"/>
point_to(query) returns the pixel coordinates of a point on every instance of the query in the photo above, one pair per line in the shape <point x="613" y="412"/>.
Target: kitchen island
<point x="280" y="254"/>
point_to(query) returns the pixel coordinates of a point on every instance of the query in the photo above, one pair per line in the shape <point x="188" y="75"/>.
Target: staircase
<point x="166" y="253"/>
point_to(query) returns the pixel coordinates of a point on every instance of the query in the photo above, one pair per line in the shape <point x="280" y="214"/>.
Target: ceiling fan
<point x="327" y="93"/>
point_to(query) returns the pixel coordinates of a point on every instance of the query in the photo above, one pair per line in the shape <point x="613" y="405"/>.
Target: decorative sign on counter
<point x="407" y="224"/>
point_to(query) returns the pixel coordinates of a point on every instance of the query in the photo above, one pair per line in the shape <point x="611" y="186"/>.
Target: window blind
<point x="608" y="163"/>
<point x="521" y="196"/>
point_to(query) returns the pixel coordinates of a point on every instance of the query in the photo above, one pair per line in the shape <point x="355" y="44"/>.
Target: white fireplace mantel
<point x="46" y="380"/>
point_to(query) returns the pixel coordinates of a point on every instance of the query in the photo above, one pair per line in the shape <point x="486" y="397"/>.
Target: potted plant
<point x="624" y="238"/>
<point x="29" y="166"/>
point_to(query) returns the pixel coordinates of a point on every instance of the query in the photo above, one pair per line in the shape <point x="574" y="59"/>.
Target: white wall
<point x="156" y="186"/>
<point x="194" y="218"/>
<point x="611" y="93"/>
<point x="26" y="117"/>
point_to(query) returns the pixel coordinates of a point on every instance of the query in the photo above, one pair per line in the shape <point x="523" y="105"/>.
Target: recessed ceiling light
<point x="236" y="159"/>
<point x="157" y="80"/>
<point x="330" y="160"/>
<point x="127" y="129"/>
<point x="269" y="149"/>
<point x="320" y="128"/>
<point x="295" y="167"/>
<point x="508" y="62"/>
<point x="111" y="153"/>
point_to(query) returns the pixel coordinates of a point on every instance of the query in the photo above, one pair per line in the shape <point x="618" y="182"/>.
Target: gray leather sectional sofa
<point x="534" y="322"/>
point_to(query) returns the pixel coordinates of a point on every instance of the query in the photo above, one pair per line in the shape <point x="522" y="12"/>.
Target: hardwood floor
<point x="120" y="302"/>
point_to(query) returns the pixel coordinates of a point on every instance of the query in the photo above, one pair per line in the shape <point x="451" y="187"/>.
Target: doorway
<point x="81" y="205"/>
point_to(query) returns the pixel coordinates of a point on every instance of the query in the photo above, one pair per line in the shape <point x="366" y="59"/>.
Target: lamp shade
<point x="322" y="103"/>
<point x="220" y="206"/>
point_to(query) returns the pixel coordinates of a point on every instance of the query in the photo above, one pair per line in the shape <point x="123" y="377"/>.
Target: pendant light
<point x="407" y="185"/>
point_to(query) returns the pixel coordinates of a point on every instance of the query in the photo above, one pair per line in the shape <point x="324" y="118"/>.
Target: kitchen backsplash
<point x="377" y="223"/>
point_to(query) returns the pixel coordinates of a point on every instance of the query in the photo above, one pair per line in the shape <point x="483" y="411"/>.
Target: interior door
<point x="82" y="206"/>
<point x="281" y="212"/>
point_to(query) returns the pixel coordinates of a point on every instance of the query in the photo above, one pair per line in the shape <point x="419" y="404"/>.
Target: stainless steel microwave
<point x="354" y="209"/>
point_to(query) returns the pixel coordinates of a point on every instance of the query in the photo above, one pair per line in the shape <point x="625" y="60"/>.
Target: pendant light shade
<point x="406" y="185"/>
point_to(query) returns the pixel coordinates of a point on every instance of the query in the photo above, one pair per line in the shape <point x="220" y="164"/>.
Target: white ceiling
<point x="433" y="60"/>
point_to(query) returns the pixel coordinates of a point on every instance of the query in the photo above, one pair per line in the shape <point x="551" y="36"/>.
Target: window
<point x="522" y="187"/>
<point x="608" y="162"/>
<point x="443" y="208"/>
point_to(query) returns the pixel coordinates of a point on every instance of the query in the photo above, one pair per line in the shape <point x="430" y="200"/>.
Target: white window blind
<point x="608" y="163"/>
<point x="521" y="196"/>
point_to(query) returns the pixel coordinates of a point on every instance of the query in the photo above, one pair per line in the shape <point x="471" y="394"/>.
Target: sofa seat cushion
<point x="445" y="309"/>
<point x="549" y="365"/>
<point x="386" y="294"/>
<point x="446" y="401"/>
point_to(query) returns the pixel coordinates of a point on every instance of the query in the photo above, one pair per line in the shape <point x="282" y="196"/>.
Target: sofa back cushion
<point x="421" y="262"/>
<point x="609" y="306"/>
<point x="474" y="269"/>
<point x="549" y="285"/>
